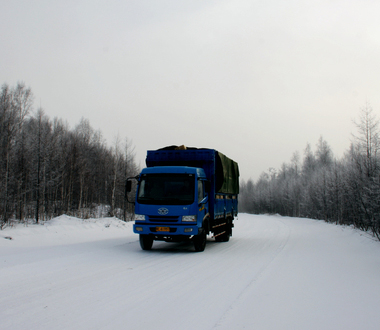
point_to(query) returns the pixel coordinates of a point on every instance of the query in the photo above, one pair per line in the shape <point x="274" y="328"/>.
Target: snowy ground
<point x="275" y="273"/>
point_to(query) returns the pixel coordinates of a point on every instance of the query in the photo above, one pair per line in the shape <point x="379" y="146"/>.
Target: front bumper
<point x="165" y="229"/>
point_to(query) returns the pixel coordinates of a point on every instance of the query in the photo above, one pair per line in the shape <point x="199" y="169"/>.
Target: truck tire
<point x="146" y="242"/>
<point x="225" y="237"/>
<point x="200" y="240"/>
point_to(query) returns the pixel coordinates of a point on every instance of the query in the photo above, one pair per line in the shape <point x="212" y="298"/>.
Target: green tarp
<point x="227" y="175"/>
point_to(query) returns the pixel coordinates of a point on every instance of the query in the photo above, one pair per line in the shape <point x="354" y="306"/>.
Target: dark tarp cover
<point x="228" y="176"/>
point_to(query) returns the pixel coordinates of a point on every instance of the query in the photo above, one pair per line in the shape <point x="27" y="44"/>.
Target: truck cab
<point x="171" y="203"/>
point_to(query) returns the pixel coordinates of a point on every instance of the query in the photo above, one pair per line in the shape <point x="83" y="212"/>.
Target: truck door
<point x="202" y="208"/>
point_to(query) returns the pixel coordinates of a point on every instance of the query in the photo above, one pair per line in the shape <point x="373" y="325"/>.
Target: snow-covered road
<point x="274" y="273"/>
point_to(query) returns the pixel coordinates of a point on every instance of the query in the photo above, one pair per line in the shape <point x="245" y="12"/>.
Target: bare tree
<point x="324" y="154"/>
<point x="367" y="139"/>
<point x="15" y="104"/>
<point x="130" y="169"/>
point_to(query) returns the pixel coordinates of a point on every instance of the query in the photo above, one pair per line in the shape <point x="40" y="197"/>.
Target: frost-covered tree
<point x="15" y="105"/>
<point x="345" y="191"/>
<point x="367" y="140"/>
<point x="47" y="169"/>
<point x="324" y="156"/>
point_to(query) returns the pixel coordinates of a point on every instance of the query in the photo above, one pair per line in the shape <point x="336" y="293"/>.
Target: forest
<point x="344" y="191"/>
<point x="48" y="169"/>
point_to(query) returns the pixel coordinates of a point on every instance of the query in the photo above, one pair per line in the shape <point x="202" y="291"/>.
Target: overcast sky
<point x="256" y="80"/>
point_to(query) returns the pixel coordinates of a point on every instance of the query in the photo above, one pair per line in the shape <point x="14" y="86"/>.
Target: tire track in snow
<point x="118" y="282"/>
<point x="283" y="229"/>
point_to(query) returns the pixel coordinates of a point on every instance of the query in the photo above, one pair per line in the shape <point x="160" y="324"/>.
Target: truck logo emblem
<point x="163" y="211"/>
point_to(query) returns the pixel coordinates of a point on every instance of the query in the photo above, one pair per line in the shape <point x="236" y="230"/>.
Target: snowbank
<point x="64" y="229"/>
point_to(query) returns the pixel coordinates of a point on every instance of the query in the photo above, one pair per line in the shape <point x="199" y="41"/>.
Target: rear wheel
<point x="225" y="237"/>
<point x="146" y="242"/>
<point x="200" y="240"/>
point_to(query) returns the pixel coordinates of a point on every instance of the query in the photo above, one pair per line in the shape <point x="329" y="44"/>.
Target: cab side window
<point x="200" y="190"/>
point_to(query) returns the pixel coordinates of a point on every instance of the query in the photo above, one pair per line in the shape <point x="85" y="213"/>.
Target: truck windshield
<point x="169" y="189"/>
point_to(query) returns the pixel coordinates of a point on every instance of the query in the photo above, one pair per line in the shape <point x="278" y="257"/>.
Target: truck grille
<point x="155" y="218"/>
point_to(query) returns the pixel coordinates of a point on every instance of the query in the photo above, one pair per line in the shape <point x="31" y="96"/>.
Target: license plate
<point x="162" y="229"/>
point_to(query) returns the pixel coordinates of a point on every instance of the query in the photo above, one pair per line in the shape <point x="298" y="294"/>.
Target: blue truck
<point x="185" y="194"/>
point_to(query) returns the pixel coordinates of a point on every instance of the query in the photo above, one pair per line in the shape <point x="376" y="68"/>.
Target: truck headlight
<point x="139" y="217"/>
<point x="189" y="218"/>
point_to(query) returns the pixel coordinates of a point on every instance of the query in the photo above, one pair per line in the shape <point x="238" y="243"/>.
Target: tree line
<point x="48" y="169"/>
<point x="319" y="186"/>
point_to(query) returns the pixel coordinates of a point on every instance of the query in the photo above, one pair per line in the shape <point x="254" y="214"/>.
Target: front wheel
<point x="146" y="242"/>
<point x="200" y="240"/>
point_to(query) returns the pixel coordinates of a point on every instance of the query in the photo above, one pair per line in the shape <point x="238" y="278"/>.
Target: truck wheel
<point x="223" y="238"/>
<point x="226" y="236"/>
<point x="146" y="242"/>
<point x="200" y="240"/>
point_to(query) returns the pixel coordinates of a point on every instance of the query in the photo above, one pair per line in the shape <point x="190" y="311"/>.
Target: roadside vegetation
<point x="48" y="169"/>
<point x="319" y="186"/>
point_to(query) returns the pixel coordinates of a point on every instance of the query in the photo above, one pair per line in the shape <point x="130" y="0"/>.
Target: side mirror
<point x="204" y="200"/>
<point x="128" y="186"/>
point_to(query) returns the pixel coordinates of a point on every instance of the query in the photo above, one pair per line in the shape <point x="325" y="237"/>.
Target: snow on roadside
<point x="63" y="229"/>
